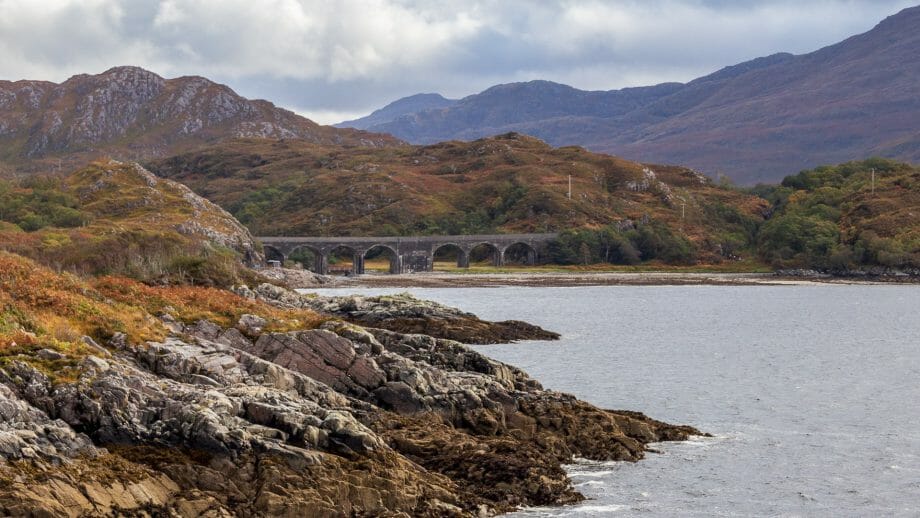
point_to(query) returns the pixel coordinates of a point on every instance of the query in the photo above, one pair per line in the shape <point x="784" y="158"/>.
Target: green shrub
<point x="811" y="208"/>
<point x="38" y="202"/>
<point x="31" y="222"/>
<point x="649" y="241"/>
<point x="203" y="270"/>
<point x="806" y="239"/>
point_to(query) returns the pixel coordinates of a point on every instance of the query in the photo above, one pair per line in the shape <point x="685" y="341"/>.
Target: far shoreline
<point x="302" y="279"/>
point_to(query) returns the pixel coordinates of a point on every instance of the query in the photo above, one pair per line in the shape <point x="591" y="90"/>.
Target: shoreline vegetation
<point x="837" y="218"/>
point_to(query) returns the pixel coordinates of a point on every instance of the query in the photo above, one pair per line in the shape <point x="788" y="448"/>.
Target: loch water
<point x="812" y="392"/>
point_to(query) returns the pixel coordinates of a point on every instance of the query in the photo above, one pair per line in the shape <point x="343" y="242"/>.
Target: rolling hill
<point x="508" y="183"/>
<point x="755" y="121"/>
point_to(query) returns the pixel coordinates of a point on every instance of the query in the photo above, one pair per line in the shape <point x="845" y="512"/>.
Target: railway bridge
<point x="407" y="254"/>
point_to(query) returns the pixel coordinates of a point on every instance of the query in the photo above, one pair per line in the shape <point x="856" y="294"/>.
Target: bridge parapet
<point x="408" y="253"/>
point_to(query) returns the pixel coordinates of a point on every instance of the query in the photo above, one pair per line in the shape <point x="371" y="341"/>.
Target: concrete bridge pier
<point x="498" y="256"/>
<point x="463" y="259"/>
<point x="531" y="259"/>
<point x="321" y="264"/>
<point x="357" y="263"/>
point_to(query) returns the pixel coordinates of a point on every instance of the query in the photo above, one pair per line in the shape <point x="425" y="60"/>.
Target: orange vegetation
<point x="43" y="309"/>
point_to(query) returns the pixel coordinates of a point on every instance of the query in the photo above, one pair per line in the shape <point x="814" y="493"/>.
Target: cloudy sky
<point x="337" y="59"/>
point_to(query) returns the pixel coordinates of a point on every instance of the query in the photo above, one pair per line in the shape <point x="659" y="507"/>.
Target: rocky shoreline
<point x="877" y="274"/>
<point x="340" y="420"/>
<point x="404" y="313"/>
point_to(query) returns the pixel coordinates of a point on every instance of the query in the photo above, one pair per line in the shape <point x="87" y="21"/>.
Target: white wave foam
<point x="601" y="509"/>
<point x="590" y="483"/>
<point x="582" y="473"/>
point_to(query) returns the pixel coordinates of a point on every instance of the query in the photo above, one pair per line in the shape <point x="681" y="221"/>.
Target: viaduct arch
<point x="409" y="254"/>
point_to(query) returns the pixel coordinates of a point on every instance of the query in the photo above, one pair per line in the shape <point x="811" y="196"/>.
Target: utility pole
<point x="873" y="181"/>
<point x="683" y="214"/>
<point x="570" y="187"/>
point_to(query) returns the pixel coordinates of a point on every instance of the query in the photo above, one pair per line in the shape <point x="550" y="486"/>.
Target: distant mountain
<point x="131" y="113"/>
<point x="756" y="121"/>
<point x="535" y="108"/>
<point x="396" y="109"/>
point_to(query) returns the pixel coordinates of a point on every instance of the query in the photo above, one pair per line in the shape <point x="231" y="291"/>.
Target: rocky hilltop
<point x="118" y="218"/>
<point x="199" y="402"/>
<point x="131" y="113"/>
<point x="755" y="121"/>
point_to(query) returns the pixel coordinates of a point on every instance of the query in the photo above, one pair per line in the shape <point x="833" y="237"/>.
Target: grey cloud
<point x="351" y="56"/>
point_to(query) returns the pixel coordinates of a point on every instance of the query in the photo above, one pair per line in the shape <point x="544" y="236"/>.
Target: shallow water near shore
<point x="811" y="392"/>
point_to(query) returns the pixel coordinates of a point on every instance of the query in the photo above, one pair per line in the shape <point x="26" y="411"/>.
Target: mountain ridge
<point x="396" y="109"/>
<point x="131" y="113"/>
<point x="754" y="121"/>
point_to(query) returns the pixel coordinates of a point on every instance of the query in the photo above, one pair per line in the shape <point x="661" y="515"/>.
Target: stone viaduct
<point x="407" y="254"/>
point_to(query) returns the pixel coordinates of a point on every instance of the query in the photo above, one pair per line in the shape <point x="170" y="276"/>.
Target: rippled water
<point x="812" y="392"/>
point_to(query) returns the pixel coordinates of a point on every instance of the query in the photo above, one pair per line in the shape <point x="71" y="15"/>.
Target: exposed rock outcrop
<point x="868" y="273"/>
<point x="337" y="421"/>
<point x="297" y="278"/>
<point x="406" y="314"/>
<point x="127" y="190"/>
<point x="132" y="113"/>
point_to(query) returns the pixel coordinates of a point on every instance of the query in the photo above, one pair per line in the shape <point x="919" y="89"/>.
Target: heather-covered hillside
<point x="510" y="183"/>
<point x="836" y="218"/>
<point x="118" y="218"/>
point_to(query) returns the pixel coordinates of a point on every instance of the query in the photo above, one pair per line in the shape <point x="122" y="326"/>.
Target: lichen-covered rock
<point x="406" y="314"/>
<point x="337" y="421"/>
<point x="254" y="434"/>
<point x="297" y="278"/>
<point x="251" y="325"/>
<point x="26" y="433"/>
